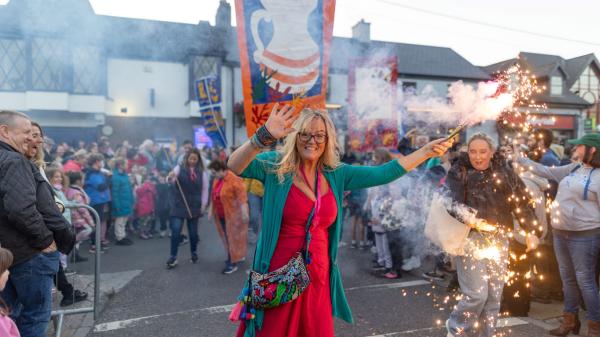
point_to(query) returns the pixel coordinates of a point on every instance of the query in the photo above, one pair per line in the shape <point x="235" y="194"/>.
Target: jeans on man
<point x="577" y="256"/>
<point x="255" y="206"/>
<point x="176" y="224"/>
<point x="384" y="256"/>
<point x="28" y="293"/>
<point x="481" y="284"/>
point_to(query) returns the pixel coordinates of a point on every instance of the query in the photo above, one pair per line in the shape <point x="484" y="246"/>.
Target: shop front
<point x="564" y="127"/>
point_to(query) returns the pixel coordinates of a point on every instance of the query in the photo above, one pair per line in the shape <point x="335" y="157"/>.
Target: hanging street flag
<point x="372" y="110"/>
<point x="284" y="53"/>
<point x="208" y="92"/>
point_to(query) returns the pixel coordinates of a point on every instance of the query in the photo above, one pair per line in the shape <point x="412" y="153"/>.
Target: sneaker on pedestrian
<point x="230" y="269"/>
<point x="124" y="242"/>
<point x="194" y="258"/>
<point x="77" y="296"/>
<point x="433" y="275"/>
<point x="93" y="250"/>
<point x="353" y="245"/>
<point x="184" y="240"/>
<point x="69" y="272"/>
<point x="376" y="266"/>
<point x="171" y="263"/>
<point x="144" y="236"/>
<point x="163" y="234"/>
<point x="389" y="274"/>
<point x="411" y="263"/>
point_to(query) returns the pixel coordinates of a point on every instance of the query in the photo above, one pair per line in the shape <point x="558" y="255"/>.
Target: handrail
<point x="96" y="302"/>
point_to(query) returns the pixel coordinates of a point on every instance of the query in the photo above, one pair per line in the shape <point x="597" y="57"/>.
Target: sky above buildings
<point x="484" y="32"/>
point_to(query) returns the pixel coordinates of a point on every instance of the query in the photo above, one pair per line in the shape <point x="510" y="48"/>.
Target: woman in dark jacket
<point x="189" y="201"/>
<point x="482" y="182"/>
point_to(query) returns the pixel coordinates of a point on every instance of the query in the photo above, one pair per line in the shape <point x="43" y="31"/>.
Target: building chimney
<point x="362" y="31"/>
<point x="223" y="18"/>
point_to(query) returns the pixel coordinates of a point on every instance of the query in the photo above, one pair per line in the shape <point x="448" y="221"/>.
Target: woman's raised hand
<point x="280" y="121"/>
<point x="437" y="147"/>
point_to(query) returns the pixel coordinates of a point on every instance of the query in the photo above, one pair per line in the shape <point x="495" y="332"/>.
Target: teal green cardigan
<point x="343" y="178"/>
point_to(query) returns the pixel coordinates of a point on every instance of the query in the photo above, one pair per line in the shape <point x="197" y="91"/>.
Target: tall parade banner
<point x="208" y="92"/>
<point x="372" y="110"/>
<point x="284" y="51"/>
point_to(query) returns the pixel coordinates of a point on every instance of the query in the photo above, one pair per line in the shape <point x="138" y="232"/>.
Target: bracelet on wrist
<point x="256" y="143"/>
<point x="264" y="137"/>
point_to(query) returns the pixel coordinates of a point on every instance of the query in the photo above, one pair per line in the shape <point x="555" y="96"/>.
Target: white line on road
<point x="502" y="323"/>
<point x="116" y="325"/>
<point x="127" y="323"/>
<point x="392" y="285"/>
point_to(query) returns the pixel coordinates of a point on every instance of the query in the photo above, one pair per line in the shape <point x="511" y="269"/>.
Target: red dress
<point x="310" y="315"/>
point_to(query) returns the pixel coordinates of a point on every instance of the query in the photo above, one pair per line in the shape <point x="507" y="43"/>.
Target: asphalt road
<point x="194" y="300"/>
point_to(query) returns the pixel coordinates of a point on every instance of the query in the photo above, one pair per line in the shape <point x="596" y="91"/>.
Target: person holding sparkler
<point x="303" y="179"/>
<point x="482" y="181"/>
<point x="577" y="231"/>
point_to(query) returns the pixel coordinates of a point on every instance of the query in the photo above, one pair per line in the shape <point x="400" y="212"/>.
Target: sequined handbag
<point x="279" y="286"/>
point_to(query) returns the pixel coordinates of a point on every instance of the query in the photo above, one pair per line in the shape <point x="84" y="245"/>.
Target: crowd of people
<point x="536" y="185"/>
<point x="148" y="191"/>
<point x="162" y="190"/>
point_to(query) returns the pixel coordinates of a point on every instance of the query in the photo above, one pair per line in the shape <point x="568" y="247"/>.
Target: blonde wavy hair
<point x="290" y="158"/>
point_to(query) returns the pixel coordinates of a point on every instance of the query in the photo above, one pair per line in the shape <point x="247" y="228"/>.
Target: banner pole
<point x="218" y="118"/>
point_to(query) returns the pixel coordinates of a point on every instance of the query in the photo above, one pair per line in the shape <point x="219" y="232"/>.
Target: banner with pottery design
<point x="284" y="53"/>
<point x="372" y="109"/>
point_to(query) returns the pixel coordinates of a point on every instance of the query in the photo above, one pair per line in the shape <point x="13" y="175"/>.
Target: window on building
<point x="588" y="85"/>
<point x="13" y="64"/>
<point x="409" y="87"/>
<point x="49" y="64"/>
<point x="201" y="66"/>
<point x="88" y="70"/>
<point x="556" y="86"/>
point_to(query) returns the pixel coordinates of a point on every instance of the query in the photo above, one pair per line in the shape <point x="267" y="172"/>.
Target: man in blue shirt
<point x="544" y="140"/>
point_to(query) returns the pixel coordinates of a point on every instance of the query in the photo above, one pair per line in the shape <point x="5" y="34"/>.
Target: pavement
<point x="141" y="298"/>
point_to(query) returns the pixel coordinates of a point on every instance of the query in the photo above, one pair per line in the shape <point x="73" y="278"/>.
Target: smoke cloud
<point x="464" y="103"/>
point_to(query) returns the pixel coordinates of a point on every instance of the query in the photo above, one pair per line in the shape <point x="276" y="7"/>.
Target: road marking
<point x="502" y="323"/>
<point x="392" y="285"/>
<point x="127" y="323"/>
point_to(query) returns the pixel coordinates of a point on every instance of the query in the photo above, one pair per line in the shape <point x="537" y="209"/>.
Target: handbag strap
<point x="313" y="212"/>
<point x="587" y="184"/>
<point x="308" y="222"/>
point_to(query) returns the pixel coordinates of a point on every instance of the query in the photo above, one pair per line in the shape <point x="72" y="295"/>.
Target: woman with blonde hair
<point x="304" y="183"/>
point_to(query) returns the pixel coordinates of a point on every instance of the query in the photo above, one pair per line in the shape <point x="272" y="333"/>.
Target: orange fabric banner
<point x="284" y="52"/>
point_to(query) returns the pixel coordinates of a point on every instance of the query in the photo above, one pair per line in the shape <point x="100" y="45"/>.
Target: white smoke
<point x="464" y="103"/>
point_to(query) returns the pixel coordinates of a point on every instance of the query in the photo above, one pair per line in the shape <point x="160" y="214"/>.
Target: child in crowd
<point x="60" y="183"/>
<point x="163" y="203"/>
<point x="80" y="217"/>
<point x="122" y="200"/>
<point x="356" y="201"/>
<point x="145" y="206"/>
<point x="8" y="328"/>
